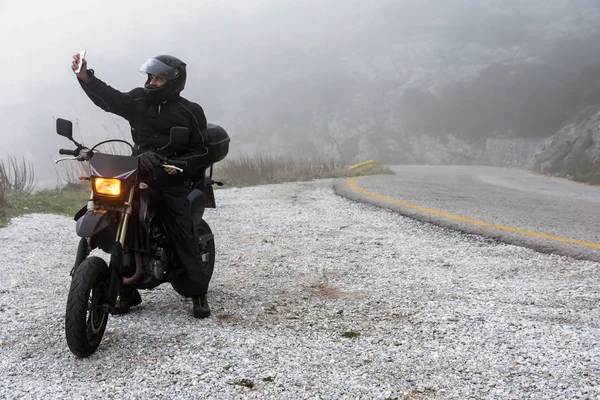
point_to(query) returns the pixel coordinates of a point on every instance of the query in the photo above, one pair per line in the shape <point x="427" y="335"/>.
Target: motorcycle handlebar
<point x="67" y="152"/>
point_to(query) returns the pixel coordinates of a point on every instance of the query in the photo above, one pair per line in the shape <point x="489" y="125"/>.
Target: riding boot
<point x="126" y="300"/>
<point x="201" y="308"/>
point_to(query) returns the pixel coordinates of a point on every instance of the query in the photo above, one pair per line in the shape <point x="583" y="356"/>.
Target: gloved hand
<point x="148" y="161"/>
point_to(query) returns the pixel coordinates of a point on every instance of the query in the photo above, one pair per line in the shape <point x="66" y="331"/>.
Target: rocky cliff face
<point x="575" y="149"/>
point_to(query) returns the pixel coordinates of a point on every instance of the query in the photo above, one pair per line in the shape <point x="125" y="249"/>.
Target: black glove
<point x="149" y="160"/>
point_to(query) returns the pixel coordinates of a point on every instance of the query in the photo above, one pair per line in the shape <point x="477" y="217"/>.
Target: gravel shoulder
<point x="436" y="313"/>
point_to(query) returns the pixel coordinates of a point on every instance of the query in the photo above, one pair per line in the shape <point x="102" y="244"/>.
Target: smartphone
<point x="81" y="57"/>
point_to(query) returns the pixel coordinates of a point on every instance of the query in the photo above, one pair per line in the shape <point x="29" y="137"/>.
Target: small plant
<point x="16" y="176"/>
<point x="269" y="379"/>
<point x="3" y="184"/>
<point x="351" y="335"/>
<point x="244" y="382"/>
<point x="68" y="174"/>
<point x="589" y="177"/>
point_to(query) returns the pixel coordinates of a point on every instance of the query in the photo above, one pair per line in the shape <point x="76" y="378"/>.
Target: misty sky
<point x="213" y="36"/>
<point x="231" y="47"/>
<point x="39" y="37"/>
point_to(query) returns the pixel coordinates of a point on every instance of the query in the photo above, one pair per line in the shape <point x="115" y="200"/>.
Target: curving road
<point x="515" y="206"/>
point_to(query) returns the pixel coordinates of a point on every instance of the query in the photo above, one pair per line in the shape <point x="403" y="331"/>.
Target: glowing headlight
<point x="107" y="187"/>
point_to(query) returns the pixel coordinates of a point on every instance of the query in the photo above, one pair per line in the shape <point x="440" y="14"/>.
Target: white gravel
<point x="439" y="314"/>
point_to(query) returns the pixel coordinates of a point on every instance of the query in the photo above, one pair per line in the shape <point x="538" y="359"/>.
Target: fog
<point x="40" y="39"/>
<point x="283" y="74"/>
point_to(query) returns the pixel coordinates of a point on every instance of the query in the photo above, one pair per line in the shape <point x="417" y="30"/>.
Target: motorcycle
<point x="122" y="219"/>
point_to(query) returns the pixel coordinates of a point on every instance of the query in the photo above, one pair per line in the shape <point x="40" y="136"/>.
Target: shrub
<point x="16" y="176"/>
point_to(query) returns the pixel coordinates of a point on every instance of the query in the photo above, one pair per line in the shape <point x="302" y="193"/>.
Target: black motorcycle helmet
<point x="169" y="67"/>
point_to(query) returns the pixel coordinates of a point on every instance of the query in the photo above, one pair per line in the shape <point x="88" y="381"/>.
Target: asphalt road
<point x="515" y="206"/>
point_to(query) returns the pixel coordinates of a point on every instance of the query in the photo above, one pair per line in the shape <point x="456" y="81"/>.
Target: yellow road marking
<point x="363" y="164"/>
<point x="354" y="186"/>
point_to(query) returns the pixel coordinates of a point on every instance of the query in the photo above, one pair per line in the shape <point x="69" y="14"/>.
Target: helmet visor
<point x="155" y="67"/>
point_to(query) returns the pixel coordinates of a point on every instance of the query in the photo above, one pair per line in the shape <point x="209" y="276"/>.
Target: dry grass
<point x="17" y="197"/>
<point x="3" y="184"/>
<point x="17" y="181"/>
<point x="267" y="169"/>
<point x="68" y="173"/>
<point x="16" y="176"/>
<point x="53" y="201"/>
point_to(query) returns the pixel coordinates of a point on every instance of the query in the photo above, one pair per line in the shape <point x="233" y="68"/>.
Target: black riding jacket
<point x="151" y="122"/>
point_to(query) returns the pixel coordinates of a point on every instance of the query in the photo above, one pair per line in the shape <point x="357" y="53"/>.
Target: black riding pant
<point x="190" y="277"/>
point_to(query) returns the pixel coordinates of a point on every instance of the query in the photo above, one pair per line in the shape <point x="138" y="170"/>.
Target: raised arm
<point x="102" y="95"/>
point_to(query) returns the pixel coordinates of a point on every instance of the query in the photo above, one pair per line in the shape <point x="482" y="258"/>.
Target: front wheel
<point x="85" y="318"/>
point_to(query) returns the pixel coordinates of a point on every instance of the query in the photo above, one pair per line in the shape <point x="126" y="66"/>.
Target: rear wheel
<point x="85" y="319"/>
<point x="206" y="247"/>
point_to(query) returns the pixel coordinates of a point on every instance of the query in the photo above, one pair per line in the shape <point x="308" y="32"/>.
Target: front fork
<point x="124" y="223"/>
<point x="116" y="257"/>
<point x="85" y="244"/>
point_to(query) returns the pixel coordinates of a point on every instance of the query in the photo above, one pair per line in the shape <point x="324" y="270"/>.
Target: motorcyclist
<point x="152" y="111"/>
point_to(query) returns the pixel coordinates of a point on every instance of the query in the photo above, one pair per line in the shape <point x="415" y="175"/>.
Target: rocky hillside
<point x="574" y="150"/>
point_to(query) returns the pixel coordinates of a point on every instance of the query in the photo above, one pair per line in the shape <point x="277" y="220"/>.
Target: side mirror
<point x="179" y="140"/>
<point x="64" y="128"/>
